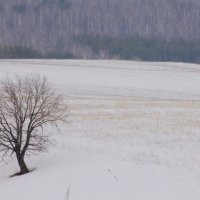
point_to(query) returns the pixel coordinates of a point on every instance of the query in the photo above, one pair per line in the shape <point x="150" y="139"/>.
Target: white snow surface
<point x="133" y="133"/>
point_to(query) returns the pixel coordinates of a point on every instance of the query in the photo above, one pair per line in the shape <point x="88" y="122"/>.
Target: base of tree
<point x="21" y="173"/>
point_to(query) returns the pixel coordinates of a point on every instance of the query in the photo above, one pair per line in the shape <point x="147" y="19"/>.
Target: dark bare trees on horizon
<point x="51" y="25"/>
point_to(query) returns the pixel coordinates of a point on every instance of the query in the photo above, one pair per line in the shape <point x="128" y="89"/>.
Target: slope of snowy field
<point x="107" y="78"/>
<point x="133" y="133"/>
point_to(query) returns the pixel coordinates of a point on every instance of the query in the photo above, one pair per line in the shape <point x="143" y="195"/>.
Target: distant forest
<point x="152" y="30"/>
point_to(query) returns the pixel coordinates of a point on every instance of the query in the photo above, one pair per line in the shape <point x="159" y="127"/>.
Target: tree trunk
<point x="22" y="165"/>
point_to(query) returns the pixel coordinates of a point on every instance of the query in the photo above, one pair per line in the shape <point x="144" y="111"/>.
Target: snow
<point x="133" y="133"/>
<point x="107" y="78"/>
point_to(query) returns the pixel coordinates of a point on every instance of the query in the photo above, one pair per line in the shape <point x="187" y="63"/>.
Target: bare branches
<point x="26" y="105"/>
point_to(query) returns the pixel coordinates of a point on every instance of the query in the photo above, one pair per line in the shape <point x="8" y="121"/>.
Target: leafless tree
<point x="26" y="106"/>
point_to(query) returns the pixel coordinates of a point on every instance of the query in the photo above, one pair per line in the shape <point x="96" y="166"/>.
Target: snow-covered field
<point x="133" y="133"/>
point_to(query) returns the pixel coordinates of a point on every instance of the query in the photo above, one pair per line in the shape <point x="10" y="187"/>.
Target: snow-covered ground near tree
<point x="133" y="133"/>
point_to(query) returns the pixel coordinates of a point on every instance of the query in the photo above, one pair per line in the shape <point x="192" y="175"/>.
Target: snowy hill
<point x="133" y="133"/>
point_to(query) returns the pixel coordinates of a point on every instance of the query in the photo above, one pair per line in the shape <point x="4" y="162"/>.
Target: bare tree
<point x="26" y="106"/>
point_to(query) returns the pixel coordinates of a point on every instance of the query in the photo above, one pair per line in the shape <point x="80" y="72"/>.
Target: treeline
<point x="123" y="29"/>
<point x="134" y="48"/>
<point x="138" y="48"/>
<point x="19" y="52"/>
